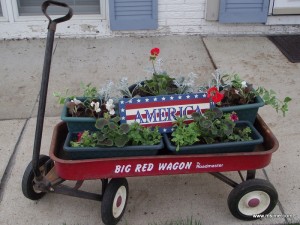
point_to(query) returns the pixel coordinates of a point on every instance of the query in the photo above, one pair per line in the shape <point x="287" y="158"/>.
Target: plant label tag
<point x="162" y="110"/>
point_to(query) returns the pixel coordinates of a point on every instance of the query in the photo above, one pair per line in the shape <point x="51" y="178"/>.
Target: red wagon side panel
<point x="158" y="166"/>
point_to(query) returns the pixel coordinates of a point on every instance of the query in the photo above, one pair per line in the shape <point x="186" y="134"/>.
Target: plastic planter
<point x="226" y="147"/>
<point x="246" y="112"/>
<point x="77" y="124"/>
<point x="107" y="152"/>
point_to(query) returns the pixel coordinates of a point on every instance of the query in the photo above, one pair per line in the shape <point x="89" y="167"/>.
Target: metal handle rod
<point x="42" y="103"/>
<point x="45" y="81"/>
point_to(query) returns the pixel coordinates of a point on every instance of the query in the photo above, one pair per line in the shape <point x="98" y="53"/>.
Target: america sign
<point x="162" y="110"/>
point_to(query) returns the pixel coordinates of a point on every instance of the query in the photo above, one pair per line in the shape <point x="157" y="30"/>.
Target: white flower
<point x="76" y="101"/>
<point x="112" y="112"/>
<point x="244" y="84"/>
<point x="110" y="106"/>
<point x="96" y="106"/>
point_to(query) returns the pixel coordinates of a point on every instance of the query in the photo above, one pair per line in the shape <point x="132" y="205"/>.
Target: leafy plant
<point x="139" y="135"/>
<point x="184" y="134"/>
<point x="210" y="127"/>
<point x="85" y="139"/>
<point x="236" y="91"/>
<point x="216" y="127"/>
<point x="111" y="133"/>
<point x="160" y="82"/>
<point x="187" y="221"/>
<point x="270" y="99"/>
<point x="88" y="92"/>
<point x="91" y="104"/>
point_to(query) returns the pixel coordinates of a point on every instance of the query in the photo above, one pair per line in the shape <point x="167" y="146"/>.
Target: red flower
<point x="154" y="52"/>
<point x="215" y="95"/>
<point x="234" y="117"/>
<point x="79" y="136"/>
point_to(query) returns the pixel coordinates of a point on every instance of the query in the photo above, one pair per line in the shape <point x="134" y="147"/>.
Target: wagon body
<point x="164" y="164"/>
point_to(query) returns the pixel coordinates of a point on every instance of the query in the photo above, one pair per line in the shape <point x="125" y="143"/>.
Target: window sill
<point x="43" y="18"/>
<point x="283" y="20"/>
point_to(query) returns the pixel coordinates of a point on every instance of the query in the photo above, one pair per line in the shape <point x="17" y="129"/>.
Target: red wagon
<point x="250" y="197"/>
<point x="47" y="174"/>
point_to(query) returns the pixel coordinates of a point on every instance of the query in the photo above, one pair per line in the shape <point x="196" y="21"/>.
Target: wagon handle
<point x="52" y="23"/>
<point x="44" y="83"/>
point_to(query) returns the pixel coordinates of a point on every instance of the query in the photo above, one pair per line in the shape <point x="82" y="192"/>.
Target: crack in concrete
<point x="264" y="171"/>
<point x="10" y="163"/>
<point x="209" y="55"/>
<point x="12" y="158"/>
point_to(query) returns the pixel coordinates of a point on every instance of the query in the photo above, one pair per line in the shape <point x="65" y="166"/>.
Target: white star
<point x="147" y="99"/>
<point x="123" y="118"/>
<point x="165" y="130"/>
<point x="188" y="96"/>
<point x="204" y="95"/>
<point x="139" y="100"/>
<point x="122" y="102"/>
<point x="171" y="97"/>
<point x="196" y="96"/>
<point x="123" y="110"/>
<point x="155" y="99"/>
<point x="130" y="101"/>
<point x="172" y="129"/>
<point x="179" y="97"/>
<point x="163" y="98"/>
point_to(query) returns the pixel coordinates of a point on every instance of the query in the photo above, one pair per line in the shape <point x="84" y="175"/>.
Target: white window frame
<point x="19" y="18"/>
<point x="4" y="17"/>
<point x="281" y="19"/>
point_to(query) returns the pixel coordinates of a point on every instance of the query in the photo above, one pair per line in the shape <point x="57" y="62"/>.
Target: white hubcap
<point x="254" y="202"/>
<point x="119" y="201"/>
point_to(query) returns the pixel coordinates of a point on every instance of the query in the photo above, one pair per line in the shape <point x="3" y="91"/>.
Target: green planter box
<point x="108" y="152"/>
<point x="242" y="146"/>
<point x="78" y="124"/>
<point x="246" y="112"/>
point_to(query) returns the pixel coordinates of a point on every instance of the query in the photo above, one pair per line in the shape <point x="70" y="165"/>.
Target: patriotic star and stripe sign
<point x="162" y="110"/>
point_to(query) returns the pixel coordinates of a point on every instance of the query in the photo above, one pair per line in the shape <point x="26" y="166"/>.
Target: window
<point x="1" y="14"/>
<point x="33" y="7"/>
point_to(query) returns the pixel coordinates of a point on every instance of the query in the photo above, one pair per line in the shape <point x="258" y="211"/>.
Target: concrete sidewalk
<point x="151" y="199"/>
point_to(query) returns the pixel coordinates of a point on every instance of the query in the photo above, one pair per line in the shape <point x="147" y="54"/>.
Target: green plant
<point x="235" y="91"/>
<point x="85" y="139"/>
<point x="184" y="134"/>
<point x="210" y="127"/>
<point x="187" y="221"/>
<point x="111" y="133"/>
<point x="88" y="92"/>
<point x="160" y="82"/>
<point x="270" y="99"/>
<point x="91" y="104"/>
<point x="139" y="135"/>
<point x="216" y="127"/>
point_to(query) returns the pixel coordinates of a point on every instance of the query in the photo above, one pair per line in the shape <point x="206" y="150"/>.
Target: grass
<point x="188" y="221"/>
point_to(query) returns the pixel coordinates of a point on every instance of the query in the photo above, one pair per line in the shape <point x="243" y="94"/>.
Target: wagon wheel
<point x="28" y="178"/>
<point x="252" y="197"/>
<point x="114" y="201"/>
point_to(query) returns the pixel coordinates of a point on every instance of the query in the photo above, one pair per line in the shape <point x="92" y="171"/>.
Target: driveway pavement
<point x="151" y="199"/>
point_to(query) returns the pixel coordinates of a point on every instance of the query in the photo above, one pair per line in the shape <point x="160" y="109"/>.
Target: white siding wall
<point x="174" y="17"/>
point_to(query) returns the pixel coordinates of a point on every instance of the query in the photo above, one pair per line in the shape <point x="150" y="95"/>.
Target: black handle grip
<point x="46" y="4"/>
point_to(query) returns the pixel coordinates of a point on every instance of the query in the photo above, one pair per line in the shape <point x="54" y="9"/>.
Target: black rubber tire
<point x="107" y="211"/>
<point x="28" y="178"/>
<point x="246" y="187"/>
